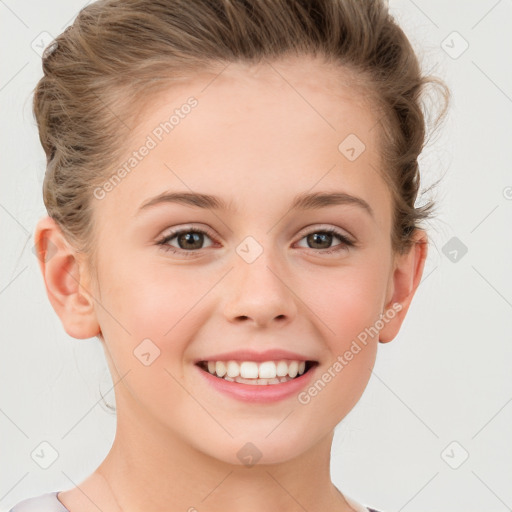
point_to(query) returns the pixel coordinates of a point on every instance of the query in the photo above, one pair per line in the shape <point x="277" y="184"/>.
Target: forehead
<point x="256" y="131"/>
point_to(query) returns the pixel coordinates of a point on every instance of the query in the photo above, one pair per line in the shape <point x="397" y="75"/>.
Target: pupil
<point x="316" y="236"/>
<point x="190" y="238"/>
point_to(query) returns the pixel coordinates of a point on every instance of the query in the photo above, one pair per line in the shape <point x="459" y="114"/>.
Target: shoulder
<point x="45" y="503"/>
<point x="356" y="506"/>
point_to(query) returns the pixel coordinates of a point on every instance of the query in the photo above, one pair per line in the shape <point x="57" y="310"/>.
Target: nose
<point x="260" y="293"/>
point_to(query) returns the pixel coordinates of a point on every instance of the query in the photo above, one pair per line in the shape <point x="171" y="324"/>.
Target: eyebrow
<point x="304" y="201"/>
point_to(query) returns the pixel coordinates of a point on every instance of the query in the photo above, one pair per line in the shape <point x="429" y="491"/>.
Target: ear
<point x="64" y="276"/>
<point x="405" y="279"/>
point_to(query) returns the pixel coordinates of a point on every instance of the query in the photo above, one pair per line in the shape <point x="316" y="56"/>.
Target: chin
<point x="259" y="450"/>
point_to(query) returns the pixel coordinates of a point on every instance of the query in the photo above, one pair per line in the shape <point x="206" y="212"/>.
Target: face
<point x="178" y="283"/>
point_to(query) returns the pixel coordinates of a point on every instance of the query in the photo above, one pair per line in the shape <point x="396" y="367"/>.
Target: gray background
<point x="440" y="392"/>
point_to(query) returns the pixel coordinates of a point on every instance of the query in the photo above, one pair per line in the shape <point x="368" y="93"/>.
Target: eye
<point x="189" y="240"/>
<point x="324" y="237"/>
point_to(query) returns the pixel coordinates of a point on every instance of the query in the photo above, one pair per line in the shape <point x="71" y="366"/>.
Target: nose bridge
<point x="258" y="287"/>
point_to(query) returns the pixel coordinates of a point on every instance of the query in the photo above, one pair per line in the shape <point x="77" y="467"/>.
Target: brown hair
<point x="101" y="70"/>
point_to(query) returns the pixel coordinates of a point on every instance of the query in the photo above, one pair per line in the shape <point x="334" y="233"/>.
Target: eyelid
<point x="186" y="227"/>
<point x="327" y="227"/>
<point x="304" y="232"/>
<point x="162" y="240"/>
<point x="346" y="242"/>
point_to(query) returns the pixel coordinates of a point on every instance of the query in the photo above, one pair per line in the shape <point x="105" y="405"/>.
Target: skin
<point x="256" y="142"/>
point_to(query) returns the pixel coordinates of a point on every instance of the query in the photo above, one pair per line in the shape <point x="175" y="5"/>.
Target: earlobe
<point x="403" y="284"/>
<point x="65" y="280"/>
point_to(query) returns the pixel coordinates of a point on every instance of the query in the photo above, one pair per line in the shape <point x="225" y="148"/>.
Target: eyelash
<point x="345" y="242"/>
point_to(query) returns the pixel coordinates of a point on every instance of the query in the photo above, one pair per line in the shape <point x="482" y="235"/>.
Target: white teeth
<point x="249" y="370"/>
<point x="220" y="369"/>
<point x="260" y="381"/>
<point x="267" y="372"/>
<point x="293" y="369"/>
<point x="281" y="369"/>
<point x="233" y="369"/>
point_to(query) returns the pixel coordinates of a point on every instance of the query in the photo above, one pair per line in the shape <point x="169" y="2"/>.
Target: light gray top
<point x="45" y="503"/>
<point x="50" y="503"/>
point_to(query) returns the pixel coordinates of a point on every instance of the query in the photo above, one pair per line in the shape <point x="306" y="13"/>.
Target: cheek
<point x="348" y="306"/>
<point x="347" y="303"/>
<point x="151" y="303"/>
<point x="351" y="341"/>
<point x="148" y="319"/>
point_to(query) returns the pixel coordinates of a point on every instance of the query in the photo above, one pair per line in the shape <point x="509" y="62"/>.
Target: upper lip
<point x="251" y="355"/>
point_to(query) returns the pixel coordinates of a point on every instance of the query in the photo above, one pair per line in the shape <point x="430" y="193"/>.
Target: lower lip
<point x="258" y="393"/>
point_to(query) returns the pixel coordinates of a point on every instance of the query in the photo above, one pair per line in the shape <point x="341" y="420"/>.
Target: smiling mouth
<point x="251" y="372"/>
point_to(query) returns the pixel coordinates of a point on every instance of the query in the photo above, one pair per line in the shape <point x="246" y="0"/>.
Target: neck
<point x="163" y="473"/>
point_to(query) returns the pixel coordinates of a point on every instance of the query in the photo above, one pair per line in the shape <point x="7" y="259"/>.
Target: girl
<point x="231" y="191"/>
